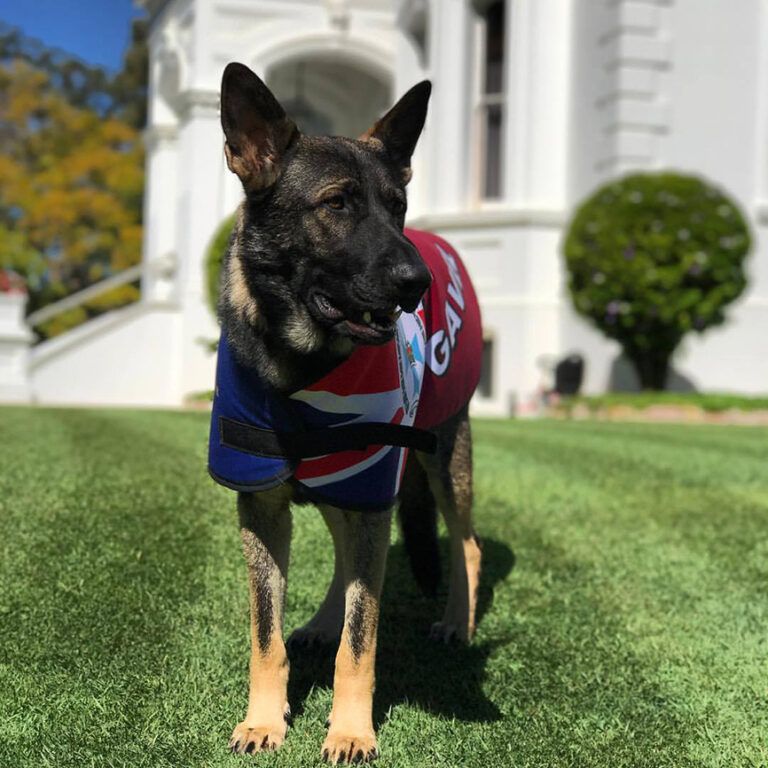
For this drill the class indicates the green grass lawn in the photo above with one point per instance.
(624, 603)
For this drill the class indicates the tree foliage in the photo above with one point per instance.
(128, 88)
(71, 172)
(652, 257)
(123, 95)
(214, 256)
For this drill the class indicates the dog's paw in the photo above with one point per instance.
(339, 749)
(447, 632)
(311, 637)
(262, 738)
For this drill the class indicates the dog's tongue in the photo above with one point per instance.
(366, 324)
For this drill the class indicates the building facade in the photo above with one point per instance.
(535, 102)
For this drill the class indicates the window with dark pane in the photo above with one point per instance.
(494, 48)
(492, 180)
(485, 387)
(492, 102)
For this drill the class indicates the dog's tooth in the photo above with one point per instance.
(367, 317)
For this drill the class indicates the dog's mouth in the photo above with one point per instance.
(374, 326)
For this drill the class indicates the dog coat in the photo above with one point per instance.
(344, 439)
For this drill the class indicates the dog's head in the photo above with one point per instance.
(319, 252)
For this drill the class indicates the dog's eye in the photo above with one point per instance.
(398, 207)
(336, 203)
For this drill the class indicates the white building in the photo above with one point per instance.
(535, 102)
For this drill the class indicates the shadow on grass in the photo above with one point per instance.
(439, 678)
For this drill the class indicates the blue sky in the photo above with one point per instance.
(97, 31)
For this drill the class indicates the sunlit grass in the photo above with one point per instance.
(624, 603)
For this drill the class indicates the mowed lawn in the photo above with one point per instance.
(624, 603)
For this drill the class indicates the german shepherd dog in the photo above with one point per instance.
(327, 213)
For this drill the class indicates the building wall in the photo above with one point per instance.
(510, 244)
(619, 120)
(126, 357)
(593, 88)
(190, 191)
(718, 103)
(677, 84)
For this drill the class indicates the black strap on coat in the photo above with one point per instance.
(276, 444)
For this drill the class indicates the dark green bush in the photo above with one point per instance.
(651, 257)
(213, 258)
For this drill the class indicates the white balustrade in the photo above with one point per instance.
(15, 341)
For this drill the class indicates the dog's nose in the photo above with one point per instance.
(410, 279)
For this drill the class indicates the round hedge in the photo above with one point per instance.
(214, 256)
(653, 256)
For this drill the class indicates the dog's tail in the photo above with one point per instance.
(417, 514)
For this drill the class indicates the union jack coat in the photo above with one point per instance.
(325, 436)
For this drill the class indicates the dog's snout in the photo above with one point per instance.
(410, 279)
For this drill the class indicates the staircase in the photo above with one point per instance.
(127, 356)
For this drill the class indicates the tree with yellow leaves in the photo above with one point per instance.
(71, 183)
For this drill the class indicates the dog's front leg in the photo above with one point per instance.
(365, 540)
(265, 527)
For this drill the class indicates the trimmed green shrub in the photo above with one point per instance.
(651, 257)
(214, 257)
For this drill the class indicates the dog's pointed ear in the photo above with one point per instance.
(256, 128)
(400, 128)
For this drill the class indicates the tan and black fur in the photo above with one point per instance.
(318, 264)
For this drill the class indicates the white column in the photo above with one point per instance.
(410, 68)
(199, 203)
(159, 257)
(538, 81)
(15, 340)
(538, 78)
(206, 70)
(450, 49)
